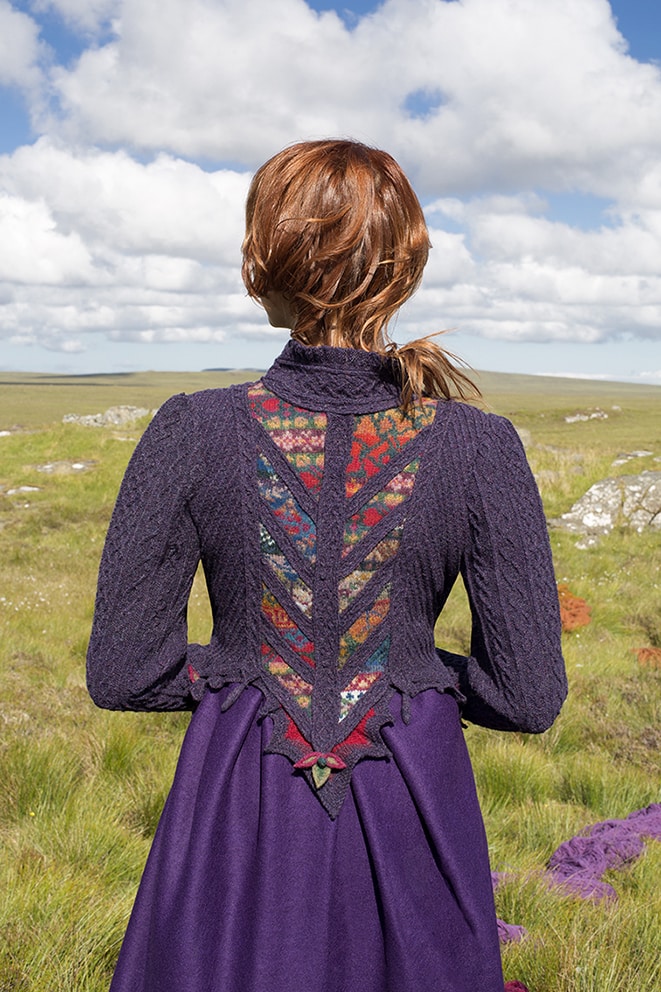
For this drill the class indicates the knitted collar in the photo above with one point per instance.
(338, 380)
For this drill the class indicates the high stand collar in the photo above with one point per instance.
(338, 380)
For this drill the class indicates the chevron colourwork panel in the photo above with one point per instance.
(325, 547)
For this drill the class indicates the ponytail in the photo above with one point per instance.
(426, 369)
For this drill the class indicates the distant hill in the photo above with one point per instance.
(34, 399)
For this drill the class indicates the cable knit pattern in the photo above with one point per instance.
(331, 529)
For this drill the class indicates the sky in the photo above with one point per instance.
(129, 130)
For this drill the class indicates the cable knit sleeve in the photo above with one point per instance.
(515, 677)
(138, 654)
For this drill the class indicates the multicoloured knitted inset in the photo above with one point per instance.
(290, 680)
(299, 591)
(328, 547)
(354, 583)
(294, 637)
(296, 523)
(364, 626)
(299, 434)
(372, 670)
(393, 494)
(377, 438)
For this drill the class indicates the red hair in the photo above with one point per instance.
(335, 227)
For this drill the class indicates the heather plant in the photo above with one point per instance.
(81, 789)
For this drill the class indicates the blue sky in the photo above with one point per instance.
(129, 130)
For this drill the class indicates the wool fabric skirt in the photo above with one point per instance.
(251, 887)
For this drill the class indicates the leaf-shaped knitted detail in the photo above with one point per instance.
(354, 583)
(298, 526)
(299, 434)
(371, 672)
(278, 617)
(297, 687)
(377, 437)
(299, 590)
(366, 623)
(393, 494)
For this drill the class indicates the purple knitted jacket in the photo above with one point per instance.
(331, 528)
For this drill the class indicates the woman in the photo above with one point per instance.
(323, 832)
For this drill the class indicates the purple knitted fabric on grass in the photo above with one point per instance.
(579, 863)
(508, 933)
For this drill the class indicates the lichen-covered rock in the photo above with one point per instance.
(627, 456)
(65, 467)
(574, 418)
(630, 500)
(115, 416)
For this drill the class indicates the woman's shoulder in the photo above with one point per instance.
(185, 419)
(477, 424)
(219, 396)
(204, 403)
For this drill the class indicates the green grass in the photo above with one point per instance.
(81, 789)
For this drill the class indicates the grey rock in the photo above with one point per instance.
(22, 489)
(627, 456)
(575, 418)
(64, 467)
(115, 416)
(629, 500)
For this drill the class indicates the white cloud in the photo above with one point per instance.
(105, 227)
(517, 275)
(33, 251)
(20, 49)
(96, 241)
(531, 92)
(227, 79)
(165, 207)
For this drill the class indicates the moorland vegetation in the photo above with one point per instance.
(81, 790)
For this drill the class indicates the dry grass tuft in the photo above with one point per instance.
(574, 611)
(649, 658)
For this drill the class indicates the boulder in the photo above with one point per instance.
(115, 416)
(574, 418)
(629, 500)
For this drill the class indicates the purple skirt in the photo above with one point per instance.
(251, 887)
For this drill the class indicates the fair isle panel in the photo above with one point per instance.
(366, 623)
(372, 671)
(296, 523)
(297, 687)
(378, 437)
(288, 545)
(299, 434)
(354, 583)
(299, 590)
(278, 617)
(389, 498)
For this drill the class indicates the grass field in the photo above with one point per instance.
(81, 789)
